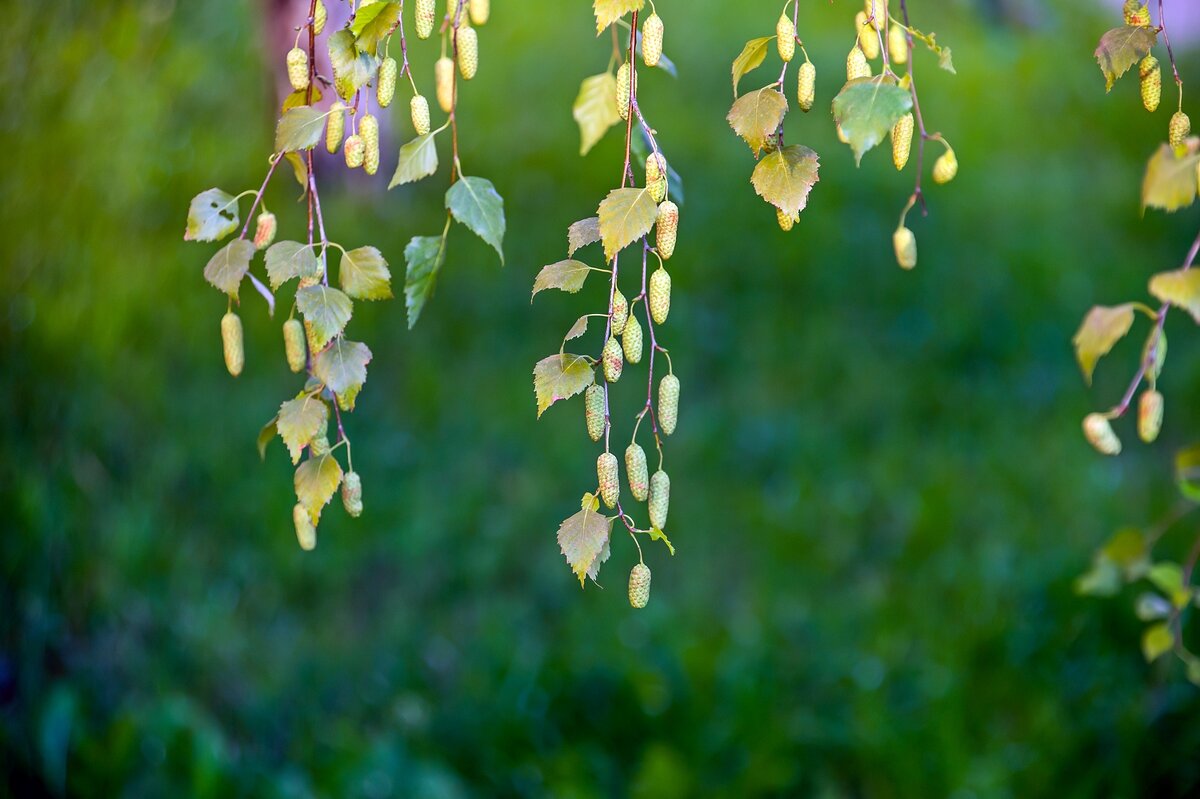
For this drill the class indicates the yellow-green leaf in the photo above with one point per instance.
(582, 233)
(625, 216)
(583, 538)
(1181, 288)
(659, 535)
(566, 275)
(1121, 48)
(1187, 472)
(1102, 328)
(326, 309)
(290, 259)
(364, 274)
(560, 376)
(867, 109)
(755, 116)
(316, 481)
(299, 129)
(1170, 180)
(226, 269)
(266, 435)
(418, 159)
(785, 177)
(609, 11)
(343, 366)
(595, 109)
(1157, 640)
(212, 216)
(750, 58)
(298, 421)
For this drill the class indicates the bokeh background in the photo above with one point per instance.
(881, 495)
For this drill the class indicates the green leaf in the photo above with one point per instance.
(867, 109)
(566, 276)
(582, 233)
(609, 11)
(595, 109)
(785, 177)
(578, 329)
(226, 269)
(372, 23)
(1157, 640)
(352, 69)
(1168, 578)
(755, 116)
(299, 129)
(212, 216)
(1128, 550)
(1187, 472)
(946, 60)
(424, 257)
(1104, 579)
(583, 538)
(343, 367)
(266, 435)
(290, 259)
(364, 274)
(1181, 288)
(559, 377)
(1103, 327)
(659, 535)
(1170, 180)
(625, 216)
(1121, 48)
(418, 159)
(750, 58)
(475, 203)
(326, 309)
(316, 481)
(298, 421)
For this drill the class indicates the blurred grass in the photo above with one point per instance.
(881, 491)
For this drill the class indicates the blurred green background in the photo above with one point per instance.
(881, 494)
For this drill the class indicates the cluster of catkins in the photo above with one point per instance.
(1137, 14)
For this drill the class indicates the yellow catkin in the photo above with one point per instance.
(785, 37)
(264, 230)
(856, 64)
(639, 586)
(352, 494)
(1178, 129)
(1150, 415)
(806, 88)
(297, 68)
(443, 72)
(306, 533)
(1136, 14)
(369, 130)
(652, 40)
(786, 220)
(613, 360)
(233, 343)
(668, 403)
(419, 107)
(897, 45)
(636, 472)
(945, 168)
(293, 345)
(631, 340)
(468, 53)
(660, 296)
(624, 74)
(1151, 78)
(902, 135)
(876, 11)
(426, 16)
(656, 176)
(593, 411)
(480, 10)
(607, 474)
(335, 126)
(1099, 433)
(659, 499)
(905, 244)
(385, 87)
(620, 312)
(868, 37)
(320, 17)
(667, 229)
(354, 151)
